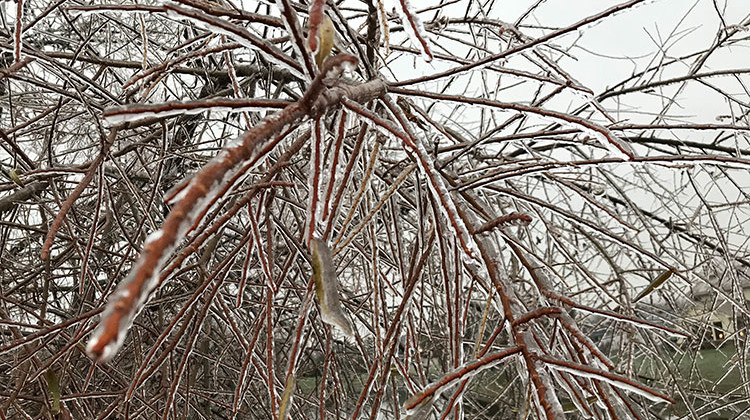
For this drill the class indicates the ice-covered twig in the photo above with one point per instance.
(356, 150)
(463, 372)
(362, 189)
(524, 46)
(136, 112)
(437, 186)
(202, 5)
(134, 290)
(18, 32)
(340, 133)
(608, 377)
(316, 18)
(512, 219)
(289, 17)
(68, 204)
(314, 178)
(414, 28)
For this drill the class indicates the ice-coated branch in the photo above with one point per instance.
(512, 219)
(133, 292)
(463, 372)
(289, 17)
(414, 28)
(68, 204)
(136, 112)
(608, 377)
(340, 132)
(18, 33)
(314, 178)
(437, 186)
(603, 135)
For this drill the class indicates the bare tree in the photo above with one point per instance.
(352, 209)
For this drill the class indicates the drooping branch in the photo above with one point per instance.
(68, 204)
(436, 183)
(462, 373)
(131, 295)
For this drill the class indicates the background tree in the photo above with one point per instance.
(492, 232)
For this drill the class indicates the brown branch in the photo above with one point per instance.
(316, 18)
(10, 201)
(68, 204)
(289, 17)
(133, 292)
(512, 219)
(611, 378)
(458, 374)
(495, 57)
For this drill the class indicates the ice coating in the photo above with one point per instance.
(289, 17)
(550, 395)
(131, 114)
(414, 28)
(553, 405)
(461, 373)
(239, 34)
(637, 323)
(614, 146)
(100, 345)
(613, 380)
(180, 190)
